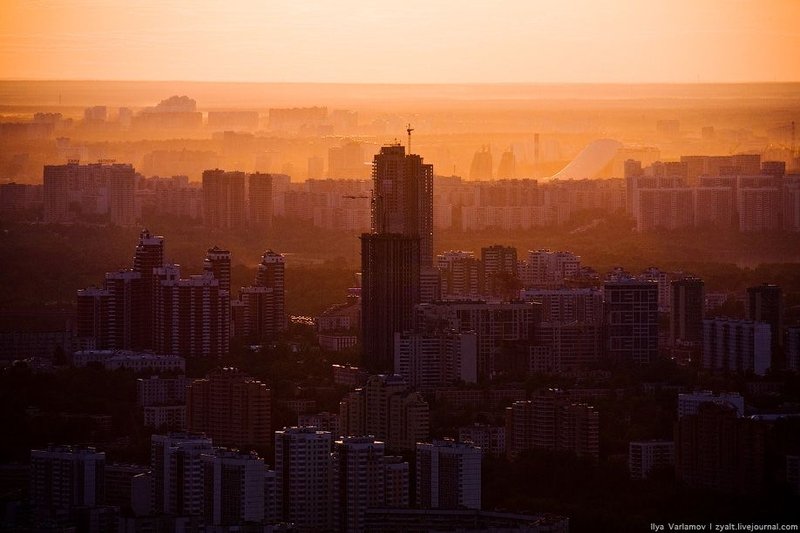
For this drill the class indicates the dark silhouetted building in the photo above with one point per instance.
(223, 199)
(765, 304)
(218, 263)
(500, 276)
(259, 196)
(631, 321)
(716, 450)
(230, 407)
(390, 268)
(686, 311)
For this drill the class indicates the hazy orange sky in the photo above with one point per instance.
(414, 41)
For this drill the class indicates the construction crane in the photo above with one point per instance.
(353, 197)
(409, 129)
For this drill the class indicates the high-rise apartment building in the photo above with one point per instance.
(552, 421)
(493, 324)
(120, 315)
(571, 326)
(436, 359)
(737, 346)
(392, 412)
(260, 312)
(95, 189)
(192, 316)
(305, 477)
(223, 199)
(128, 312)
(448, 475)
(716, 450)
(271, 274)
(689, 403)
(218, 263)
(121, 183)
(360, 472)
(460, 274)
(631, 320)
(178, 476)
(65, 477)
(499, 272)
(233, 488)
(648, 456)
(259, 200)
(546, 268)
(686, 311)
(230, 407)
(765, 304)
(149, 255)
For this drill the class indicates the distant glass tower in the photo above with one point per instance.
(397, 253)
(403, 202)
(390, 284)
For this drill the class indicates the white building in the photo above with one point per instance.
(304, 476)
(490, 439)
(169, 416)
(178, 473)
(448, 475)
(646, 456)
(688, 404)
(359, 463)
(65, 477)
(546, 267)
(234, 487)
(737, 346)
(431, 360)
(157, 390)
(136, 361)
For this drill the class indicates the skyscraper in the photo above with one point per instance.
(390, 269)
(395, 254)
(149, 256)
(403, 189)
(686, 310)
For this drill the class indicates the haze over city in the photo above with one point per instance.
(423, 266)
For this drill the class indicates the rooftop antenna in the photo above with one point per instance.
(409, 129)
(793, 145)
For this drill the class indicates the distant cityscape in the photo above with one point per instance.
(431, 395)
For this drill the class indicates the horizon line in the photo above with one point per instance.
(375, 83)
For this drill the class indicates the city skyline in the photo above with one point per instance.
(375, 300)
